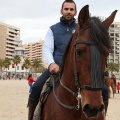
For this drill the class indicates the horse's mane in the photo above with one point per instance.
(64, 56)
(99, 36)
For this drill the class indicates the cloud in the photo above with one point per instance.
(34, 17)
(32, 30)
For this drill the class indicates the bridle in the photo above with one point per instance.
(94, 87)
(88, 87)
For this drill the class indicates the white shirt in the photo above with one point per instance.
(48, 47)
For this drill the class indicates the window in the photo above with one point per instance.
(17, 67)
(22, 67)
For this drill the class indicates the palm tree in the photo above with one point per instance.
(36, 64)
(113, 67)
(6, 64)
(27, 64)
(1, 65)
(16, 61)
(42, 69)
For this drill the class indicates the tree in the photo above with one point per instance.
(36, 64)
(16, 61)
(27, 64)
(1, 65)
(113, 67)
(42, 69)
(6, 64)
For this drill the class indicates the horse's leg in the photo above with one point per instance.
(113, 89)
(109, 92)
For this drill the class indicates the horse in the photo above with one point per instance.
(77, 96)
(111, 84)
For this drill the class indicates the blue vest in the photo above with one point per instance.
(62, 33)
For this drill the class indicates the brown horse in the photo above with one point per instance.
(78, 96)
(111, 84)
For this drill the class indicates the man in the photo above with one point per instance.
(55, 43)
(105, 90)
(56, 40)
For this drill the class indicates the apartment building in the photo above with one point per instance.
(114, 32)
(9, 40)
(11, 45)
(34, 50)
(28, 48)
(19, 68)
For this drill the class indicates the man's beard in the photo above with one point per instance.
(69, 19)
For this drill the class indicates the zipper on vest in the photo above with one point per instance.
(68, 29)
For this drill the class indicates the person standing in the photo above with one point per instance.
(56, 40)
(118, 86)
(30, 82)
(9, 77)
(105, 90)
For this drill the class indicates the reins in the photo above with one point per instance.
(58, 100)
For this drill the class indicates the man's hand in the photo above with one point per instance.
(53, 68)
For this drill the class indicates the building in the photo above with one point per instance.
(11, 45)
(114, 32)
(34, 50)
(9, 40)
(20, 69)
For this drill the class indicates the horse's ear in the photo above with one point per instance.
(83, 16)
(107, 22)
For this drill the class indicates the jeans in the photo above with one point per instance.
(30, 90)
(105, 93)
(38, 85)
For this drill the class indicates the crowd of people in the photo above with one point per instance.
(12, 76)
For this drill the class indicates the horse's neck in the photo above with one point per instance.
(114, 80)
(68, 79)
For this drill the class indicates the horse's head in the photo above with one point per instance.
(87, 54)
(113, 76)
(91, 48)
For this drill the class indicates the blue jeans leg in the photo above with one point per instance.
(30, 90)
(105, 93)
(38, 85)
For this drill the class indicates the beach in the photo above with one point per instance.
(14, 97)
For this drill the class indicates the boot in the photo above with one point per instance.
(106, 106)
(32, 103)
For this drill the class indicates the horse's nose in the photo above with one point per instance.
(92, 111)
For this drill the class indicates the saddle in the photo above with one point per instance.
(44, 95)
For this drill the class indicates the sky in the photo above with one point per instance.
(34, 17)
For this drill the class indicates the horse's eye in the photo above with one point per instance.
(79, 52)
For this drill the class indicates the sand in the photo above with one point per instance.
(14, 96)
